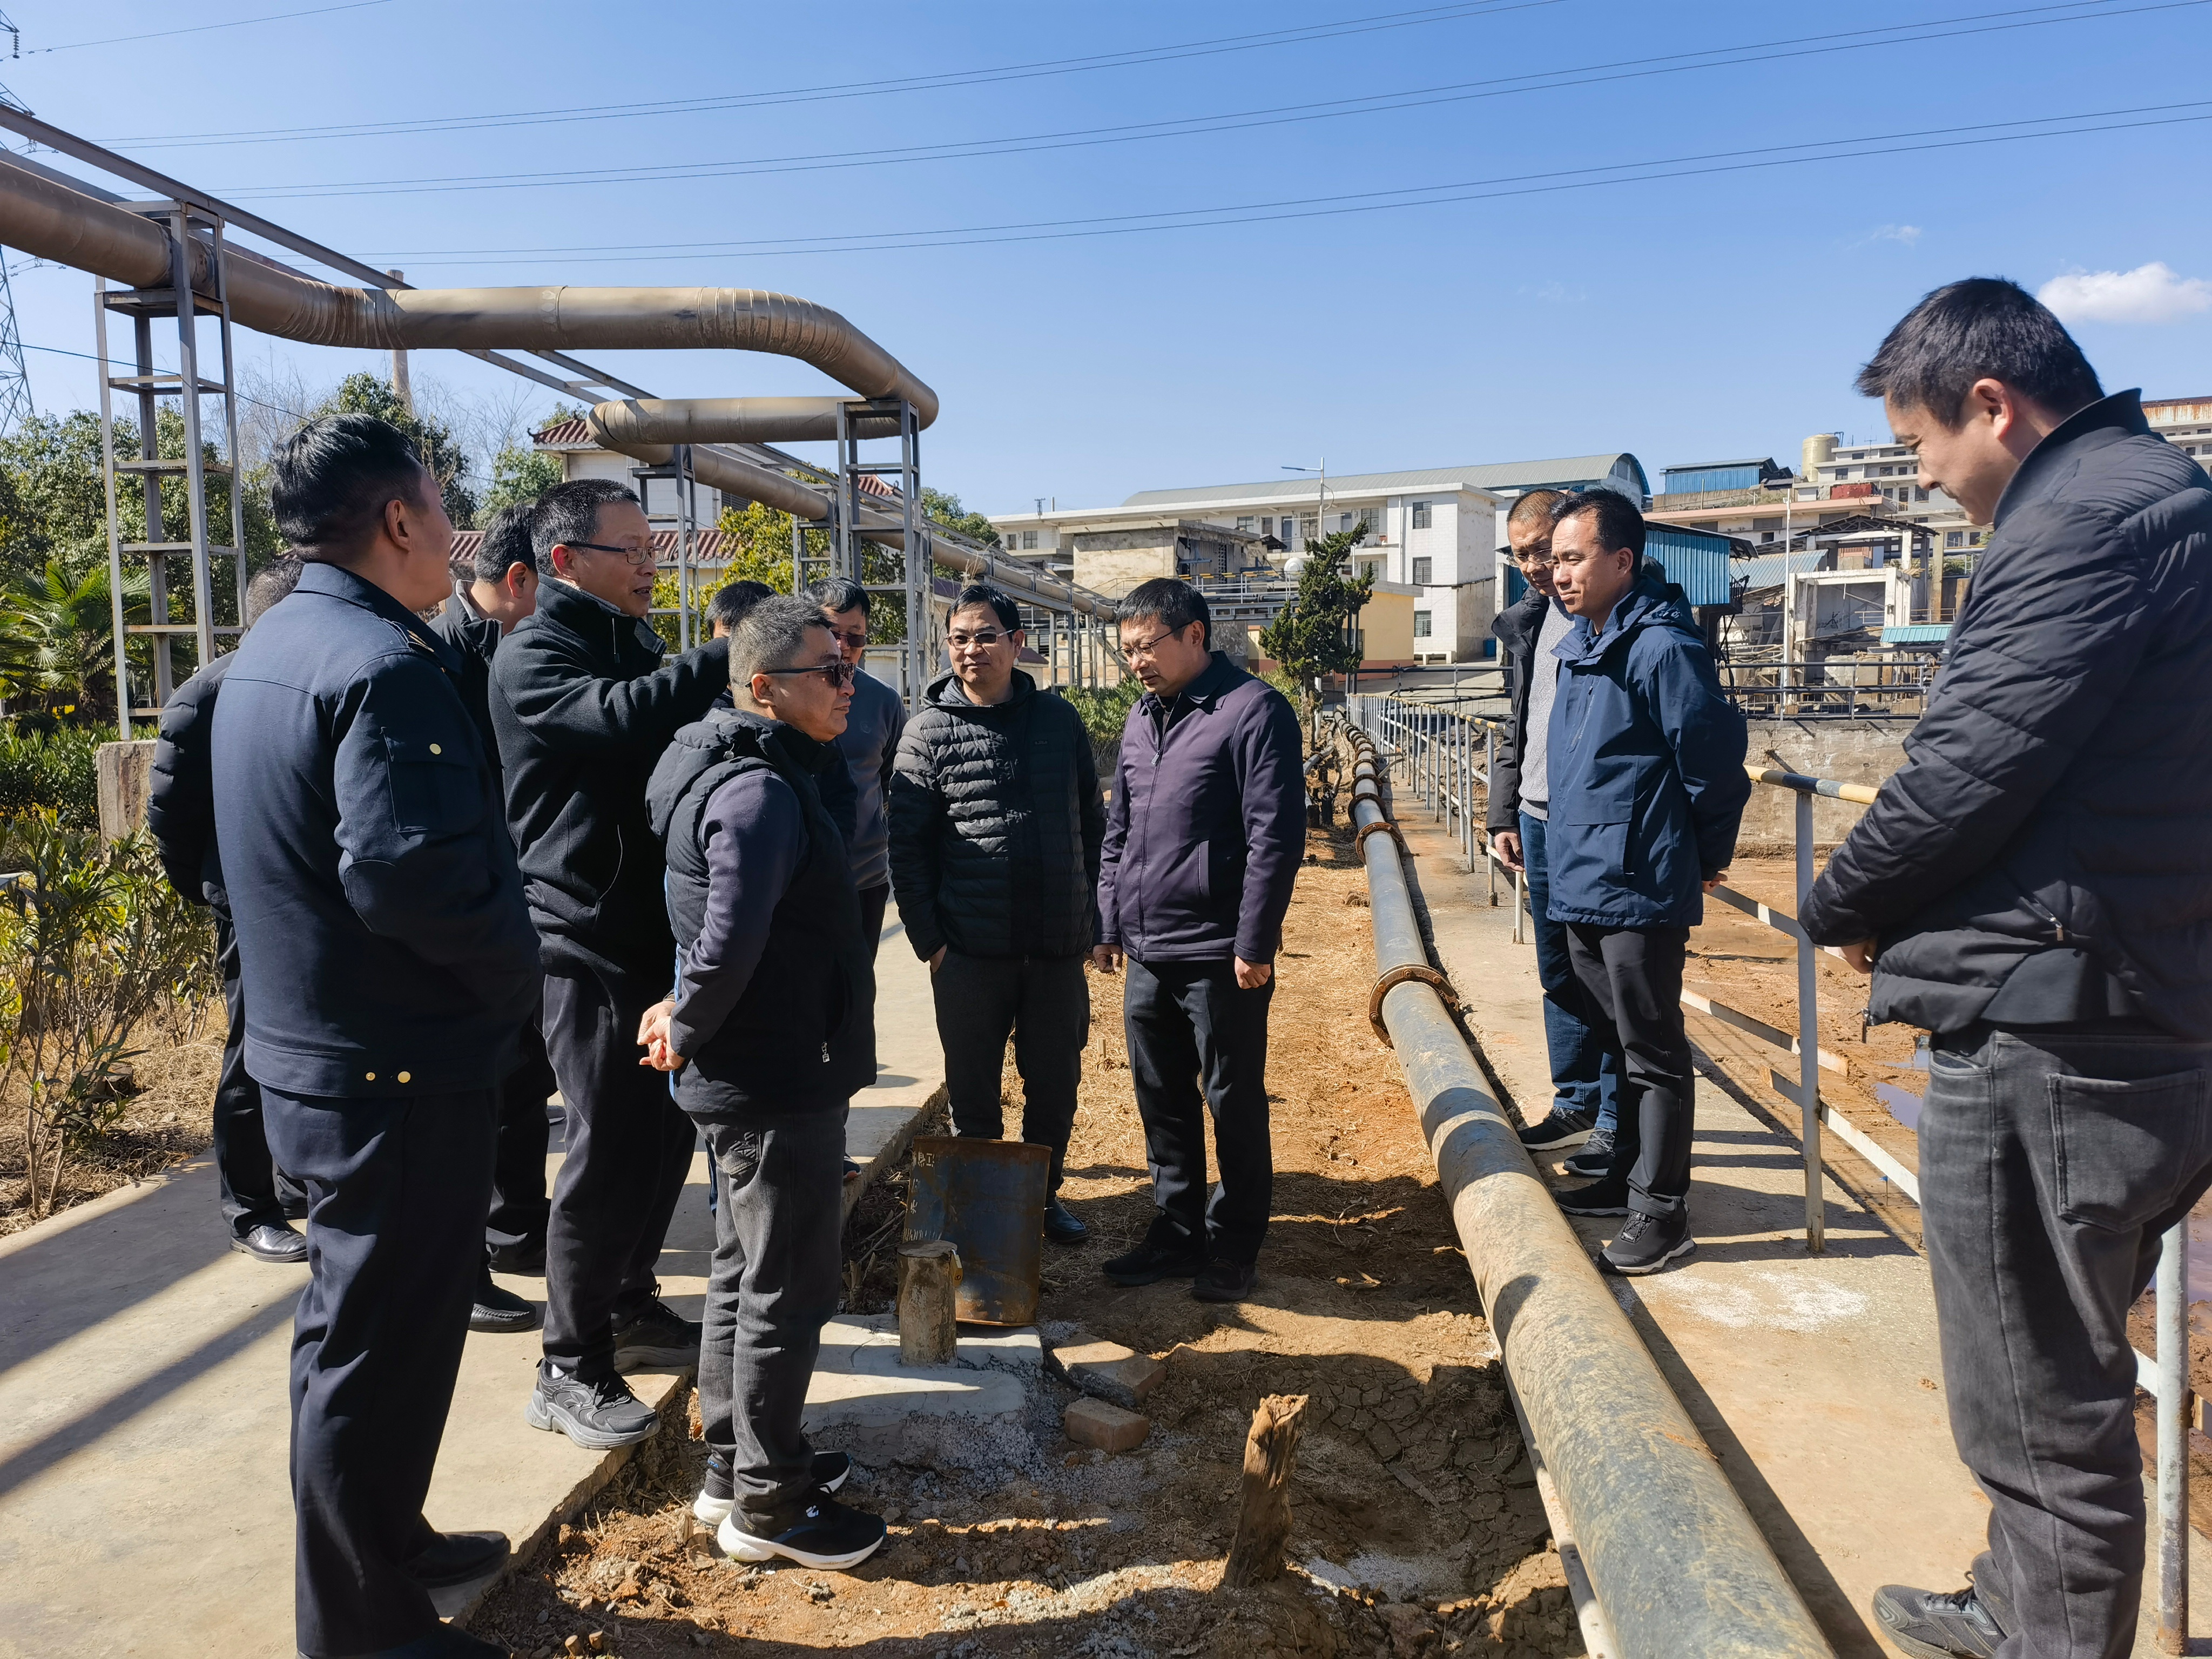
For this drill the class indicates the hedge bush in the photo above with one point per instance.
(55, 771)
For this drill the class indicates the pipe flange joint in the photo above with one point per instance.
(1359, 841)
(1419, 971)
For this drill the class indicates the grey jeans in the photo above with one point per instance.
(2050, 1164)
(775, 1283)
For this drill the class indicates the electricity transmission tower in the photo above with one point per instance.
(14, 378)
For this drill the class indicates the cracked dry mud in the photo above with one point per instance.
(1417, 1529)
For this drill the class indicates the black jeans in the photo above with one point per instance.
(1190, 1026)
(519, 1208)
(1044, 1002)
(2050, 1164)
(776, 1276)
(872, 902)
(1632, 978)
(254, 1191)
(628, 1150)
(396, 1191)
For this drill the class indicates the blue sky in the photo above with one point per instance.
(1717, 315)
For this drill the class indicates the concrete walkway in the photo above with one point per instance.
(144, 1507)
(1814, 1379)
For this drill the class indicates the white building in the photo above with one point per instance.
(1435, 531)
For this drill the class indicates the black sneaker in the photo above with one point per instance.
(1563, 1128)
(1224, 1281)
(500, 1312)
(598, 1413)
(1646, 1243)
(1607, 1197)
(655, 1339)
(714, 1502)
(1928, 1625)
(1595, 1159)
(817, 1531)
(458, 1558)
(272, 1241)
(1149, 1263)
(1060, 1225)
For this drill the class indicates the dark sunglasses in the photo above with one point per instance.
(839, 674)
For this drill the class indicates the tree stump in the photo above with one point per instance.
(1263, 1515)
(929, 1273)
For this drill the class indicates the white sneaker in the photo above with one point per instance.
(831, 1470)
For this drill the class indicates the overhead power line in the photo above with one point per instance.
(1135, 57)
(202, 28)
(1643, 67)
(1979, 134)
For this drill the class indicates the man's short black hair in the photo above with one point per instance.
(505, 543)
(569, 513)
(1535, 504)
(1174, 605)
(329, 480)
(1984, 328)
(1001, 603)
(1620, 523)
(272, 582)
(733, 599)
(771, 635)
(840, 594)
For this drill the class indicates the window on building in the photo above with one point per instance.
(1767, 535)
(1421, 630)
(1029, 540)
(1245, 523)
(1422, 511)
(1309, 526)
(1422, 568)
(1842, 473)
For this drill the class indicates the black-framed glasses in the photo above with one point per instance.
(638, 557)
(852, 642)
(1147, 648)
(839, 674)
(986, 639)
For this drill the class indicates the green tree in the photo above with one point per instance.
(57, 639)
(519, 476)
(1314, 635)
(434, 440)
(943, 508)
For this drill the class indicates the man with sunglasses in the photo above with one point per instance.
(869, 744)
(1585, 1084)
(995, 831)
(583, 707)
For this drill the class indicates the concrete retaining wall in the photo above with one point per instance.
(1850, 751)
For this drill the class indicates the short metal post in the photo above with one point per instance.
(2174, 1414)
(1489, 783)
(1808, 1038)
(1520, 902)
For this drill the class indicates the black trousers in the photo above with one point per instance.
(628, 1149)
(777, 1272)
(2050, 1161)
(1191, 1028)
(254, 1191)
(1632, 977)
(1044, 1003)
(873, 902)
(396, 1191)
(520, 1208)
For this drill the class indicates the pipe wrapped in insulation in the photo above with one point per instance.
(727, 421)
(1678, 1564)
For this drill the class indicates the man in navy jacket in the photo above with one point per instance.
(1647, 789)
(1203, 843)
(388, 964)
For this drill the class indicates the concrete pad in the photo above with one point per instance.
(144, 1425)
(862, 1400)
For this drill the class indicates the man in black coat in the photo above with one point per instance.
(180, 817)
(995, 830)
(2034, 887)
(490, 597)
(388, 963)
(583, 708)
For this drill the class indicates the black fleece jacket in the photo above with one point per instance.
(583, 708)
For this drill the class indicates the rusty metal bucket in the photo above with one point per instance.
(987, 1198)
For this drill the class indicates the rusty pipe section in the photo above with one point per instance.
(1678, 1564)
(727, 421)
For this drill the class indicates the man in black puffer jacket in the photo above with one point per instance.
(2034, 886)
(996, 822)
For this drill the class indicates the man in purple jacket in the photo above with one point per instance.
(1203, 841)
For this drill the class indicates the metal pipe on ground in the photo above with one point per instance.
(1678, 1564)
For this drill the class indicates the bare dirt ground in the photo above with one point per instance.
(165, 1121)
(1417, 1529)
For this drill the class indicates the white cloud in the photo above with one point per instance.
(1907, 235)
(2155, 293)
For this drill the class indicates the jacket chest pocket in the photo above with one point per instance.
(437, 787)
(1596, 820)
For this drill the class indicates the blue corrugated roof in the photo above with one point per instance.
(1916, 633)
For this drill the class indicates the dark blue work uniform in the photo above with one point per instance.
(389, 963)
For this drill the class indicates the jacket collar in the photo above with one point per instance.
(337, 582)
(1214, 679)
(945, 692)
(593, 620)
(1644, 603)
(752, 733)
(1520, 624)
(2105, 421)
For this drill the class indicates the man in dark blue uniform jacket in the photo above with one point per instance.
(389, 963)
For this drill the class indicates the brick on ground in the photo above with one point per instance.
(1094, 1422)
(1108, 1371)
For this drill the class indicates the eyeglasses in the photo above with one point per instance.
(855, 642)
(1535, 559)
(638, 557)
(985, 639)
(1147, 648)
(839, 674)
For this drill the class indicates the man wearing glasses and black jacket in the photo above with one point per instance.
(583, 708)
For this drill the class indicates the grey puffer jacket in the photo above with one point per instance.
(996, 824)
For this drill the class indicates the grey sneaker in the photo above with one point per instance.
(1645, 1244)
(1562, 1127)
(1933, 1624)
(1596, 1158)
(598, 1413)
(656, 1338)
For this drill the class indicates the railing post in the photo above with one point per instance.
(2174, 1414)
(1809, 1037)
(1489, 783)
